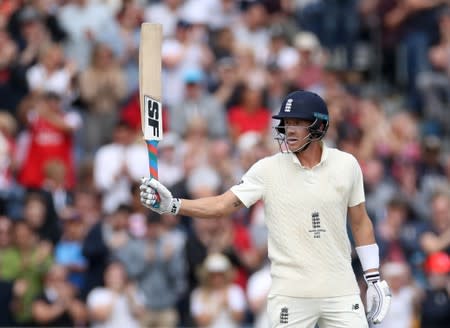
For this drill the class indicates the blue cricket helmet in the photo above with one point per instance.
(307, 106)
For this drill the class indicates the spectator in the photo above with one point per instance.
(159, 269)
(222, 13)
(198, 103)
(8, 126)
(5, 233)
(137, 222)
(434, 84)
(309, 70)
(277, 86)
(167, 13)
(379, 189)
(32, 35)
(41, 10)
(117, 165)
(27, 259)
(250, 114)
(234, 241)
(13, 86)
(10, 292)
(87, 204)
(217, 302)
(54, 186)
(58, 305)
(102, 89)
(414, 24)
(436, 237)
(68, 252)
(225, 80)
(281, 53)
(391, 244)
(404, 296)
(252, 30)
(249, 70)
(435, 303)
(85, 23)
(52, 73)
(257, 292)
(169, 159)
(51, 138)
(41, 217)
(127, 45)
(179, 54)
(104, 238)
(405, 172)
(221, 159)
(112, 305)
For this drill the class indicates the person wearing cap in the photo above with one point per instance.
(308, 190)
(217, 302)
(309, 71)
(435, 303)
(405, 295)
(197, 104)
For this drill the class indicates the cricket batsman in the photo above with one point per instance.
(309, 190)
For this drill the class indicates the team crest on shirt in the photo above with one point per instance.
(284, 315)
(316, 227)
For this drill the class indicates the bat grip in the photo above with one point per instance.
(152, 148)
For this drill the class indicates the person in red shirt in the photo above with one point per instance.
(250, 114)
(50, 138)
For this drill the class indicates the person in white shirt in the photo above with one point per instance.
(114, 305)
(308, 189)
(258, 288)
(217, 302)
(117, 165)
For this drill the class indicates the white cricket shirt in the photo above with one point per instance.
(306, 216)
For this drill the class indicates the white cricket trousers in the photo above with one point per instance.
(330, 312)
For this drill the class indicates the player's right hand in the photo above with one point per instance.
(378, 297)
(157, 197)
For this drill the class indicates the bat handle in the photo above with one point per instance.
(152, 148)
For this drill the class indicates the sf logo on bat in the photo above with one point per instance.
(153, 119)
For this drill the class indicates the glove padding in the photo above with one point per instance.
(378, 297)
(157, 197)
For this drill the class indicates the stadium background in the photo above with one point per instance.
(71, 151)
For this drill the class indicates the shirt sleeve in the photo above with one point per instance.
(357, 190)
(251, 188)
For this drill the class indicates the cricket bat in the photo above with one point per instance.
(150, 90)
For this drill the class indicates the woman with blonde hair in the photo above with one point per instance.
(217, 302)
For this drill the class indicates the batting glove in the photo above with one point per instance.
(157, 197)
(378, 297)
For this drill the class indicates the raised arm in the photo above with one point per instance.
(211, 207)
(158, 198)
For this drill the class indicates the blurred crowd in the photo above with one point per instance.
(76, 246)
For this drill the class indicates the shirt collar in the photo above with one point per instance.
(323, 157)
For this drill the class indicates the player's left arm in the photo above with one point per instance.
(378, 293)
(361, 225)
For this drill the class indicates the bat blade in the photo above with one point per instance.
(150, 90)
